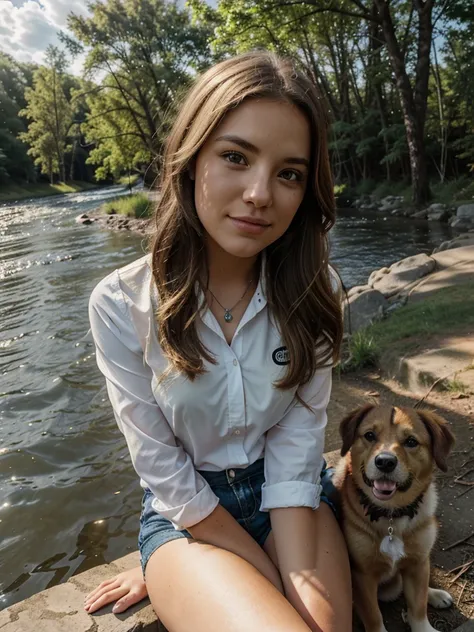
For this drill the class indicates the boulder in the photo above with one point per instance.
(436, 208)
(398, 212)
(460, 223)
(84, 219)
(421, 214)
(391, 202)
(390, 281)
(439, 216)
(362, 309)
(458, 242)
(357, 289)
(466, 211)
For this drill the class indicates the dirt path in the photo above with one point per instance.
(456, 500)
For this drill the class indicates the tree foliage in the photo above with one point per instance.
(146, 51)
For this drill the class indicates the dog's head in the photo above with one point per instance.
(393, 451)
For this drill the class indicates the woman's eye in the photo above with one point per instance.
(370, 436)
(292, 176)
(411, 442)
(234, 157)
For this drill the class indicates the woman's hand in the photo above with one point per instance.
(127, 589)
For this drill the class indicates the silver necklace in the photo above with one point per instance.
(228, 310)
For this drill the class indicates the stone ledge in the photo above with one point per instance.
(61, 607)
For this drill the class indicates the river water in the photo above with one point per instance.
(69, 498)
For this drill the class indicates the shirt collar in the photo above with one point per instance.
(257, 303)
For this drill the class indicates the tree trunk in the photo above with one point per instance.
(414, 102)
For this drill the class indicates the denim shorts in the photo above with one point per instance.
(239, 491)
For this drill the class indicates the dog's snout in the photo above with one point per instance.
(386, 462)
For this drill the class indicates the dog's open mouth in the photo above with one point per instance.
(383, 489)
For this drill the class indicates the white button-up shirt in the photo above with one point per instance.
(227, 418)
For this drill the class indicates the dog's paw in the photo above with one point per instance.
(420, 625)
(439, 598)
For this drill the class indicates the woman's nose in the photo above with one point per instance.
(258, 191)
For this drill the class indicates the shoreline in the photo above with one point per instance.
(11, 194)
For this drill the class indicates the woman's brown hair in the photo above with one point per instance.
(300, 290)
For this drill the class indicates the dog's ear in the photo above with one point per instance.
(442, 439)
(350, 423)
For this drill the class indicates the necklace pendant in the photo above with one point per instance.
(228, 316)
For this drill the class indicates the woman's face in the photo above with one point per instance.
(251, 175)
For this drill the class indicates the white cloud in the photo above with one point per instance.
(28, 27)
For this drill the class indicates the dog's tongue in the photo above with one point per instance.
(383, 489)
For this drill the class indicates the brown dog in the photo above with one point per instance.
(388, 503)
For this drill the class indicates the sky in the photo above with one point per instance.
(27, 27)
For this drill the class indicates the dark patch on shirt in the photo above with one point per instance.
(281, 356)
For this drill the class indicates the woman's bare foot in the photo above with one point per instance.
(126, 589)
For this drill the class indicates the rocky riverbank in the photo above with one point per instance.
(460, 217)
(388, 288)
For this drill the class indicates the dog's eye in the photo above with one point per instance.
(370, 436)
(411, 442)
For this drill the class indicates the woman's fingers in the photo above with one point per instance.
(133, 597)
(105, 598)
(100, 588)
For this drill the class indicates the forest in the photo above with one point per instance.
(397, 76)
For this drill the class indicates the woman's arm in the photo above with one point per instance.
(181, 494)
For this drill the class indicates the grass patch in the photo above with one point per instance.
(136, 205)
(454, 386)
(447, 310)
(20, 191)
(363, 352)
(11, 192)
(385, 189)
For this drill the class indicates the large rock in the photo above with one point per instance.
(458, 242)
(357, 289)
(362, 309)
(460, 223)
(466, 211)
(439, 216)
(391, 202)
(60, 608)
(390, 281)
(421, 214)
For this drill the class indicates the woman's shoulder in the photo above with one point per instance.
(129, 284)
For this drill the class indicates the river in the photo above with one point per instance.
(69, 498)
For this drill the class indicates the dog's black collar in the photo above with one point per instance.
(375, 512)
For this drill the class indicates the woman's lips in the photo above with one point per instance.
(249, 227)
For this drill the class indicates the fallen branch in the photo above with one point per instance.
(461, 593)
(451, 546)
(464, 569)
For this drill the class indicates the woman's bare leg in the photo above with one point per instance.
(199, 587)
(314, 566)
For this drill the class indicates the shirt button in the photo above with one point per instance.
(235, 363)
(231, 473)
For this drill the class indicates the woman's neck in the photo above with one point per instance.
(226, 269)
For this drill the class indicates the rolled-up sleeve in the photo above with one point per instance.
(294, 449)
(181, 494)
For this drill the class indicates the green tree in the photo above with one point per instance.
(398, 31)
(51, 114)
(146, 51)
(14, 78)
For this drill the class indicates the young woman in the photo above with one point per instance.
(217, 351)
